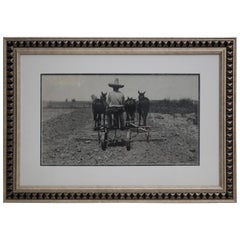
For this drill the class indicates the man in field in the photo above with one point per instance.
(115, 105)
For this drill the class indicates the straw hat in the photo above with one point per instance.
(115, 84)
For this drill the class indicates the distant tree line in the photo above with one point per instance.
(67, 104)
(181, 106)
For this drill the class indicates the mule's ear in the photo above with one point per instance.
(138, 92)
(144, 92)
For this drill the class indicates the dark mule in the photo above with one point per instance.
(130, 106)
(99, 109)
(143, 107)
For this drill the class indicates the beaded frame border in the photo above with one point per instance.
(10, 125)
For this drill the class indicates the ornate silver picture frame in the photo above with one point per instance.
(119, 120)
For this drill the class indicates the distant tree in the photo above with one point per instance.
(66, 100)
(73, 100)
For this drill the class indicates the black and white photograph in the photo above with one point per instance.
(120, 119)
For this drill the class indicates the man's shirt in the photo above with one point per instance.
(115, 99)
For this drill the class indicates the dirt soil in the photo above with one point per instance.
(68, 138)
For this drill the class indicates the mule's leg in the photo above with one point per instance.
(133, 117)
(139, 119)
(127, 119)
(145, 119)
(104, 119)
(100, 120)
(95, 120)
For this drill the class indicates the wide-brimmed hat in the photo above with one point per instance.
(115, 84)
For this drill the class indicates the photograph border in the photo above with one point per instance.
(226, 47)
(123, 74)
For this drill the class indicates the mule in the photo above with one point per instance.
(99, 110)
(130, 106)
(143, 107)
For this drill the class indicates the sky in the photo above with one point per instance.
(157, 87)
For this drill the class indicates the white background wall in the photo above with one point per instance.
(75, 18)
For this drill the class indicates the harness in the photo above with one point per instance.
(115, 109)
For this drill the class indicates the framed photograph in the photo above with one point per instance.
(136, 120)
